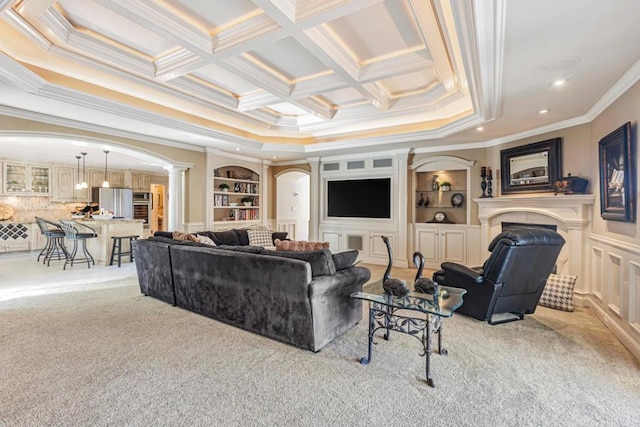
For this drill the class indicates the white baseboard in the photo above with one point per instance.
(610, 323)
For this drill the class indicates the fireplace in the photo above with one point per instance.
(569, 214)
(506, 226)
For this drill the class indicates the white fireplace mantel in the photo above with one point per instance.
(570, 213)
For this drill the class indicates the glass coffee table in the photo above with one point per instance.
(416, 314)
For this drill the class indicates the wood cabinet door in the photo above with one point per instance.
(453, 245)
(116, 179)
(64, 184)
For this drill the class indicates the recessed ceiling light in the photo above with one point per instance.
(558, 83)
(275, 157)
(480, 128)
(544, 111)
(237, 148)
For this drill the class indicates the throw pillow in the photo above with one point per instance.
(204, 239)
(345, 259)
(259, 237)
(299, 246)
(228, 237)
(282, 235)
(321, 261)
(558, 292)
(180, 236)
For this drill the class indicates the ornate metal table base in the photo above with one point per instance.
(382, 316)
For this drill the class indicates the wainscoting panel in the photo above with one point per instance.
(615, 288)
(634, 296)
(614, 281)
(596, 272)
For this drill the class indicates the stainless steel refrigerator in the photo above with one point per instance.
(117, 200)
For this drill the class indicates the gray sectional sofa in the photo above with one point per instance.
(300, 298)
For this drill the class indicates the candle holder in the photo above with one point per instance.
(489, 189)
(483, 185)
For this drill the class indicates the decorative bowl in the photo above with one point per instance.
(233, 204)
(104, 216)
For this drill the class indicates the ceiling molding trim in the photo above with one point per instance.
(161, 21)
(226, 154)
(391, 67)
(256, 75)
(74, 124)
(256, 101)
(25, 28)
(317, 86)
(315, 106)
(628, 79)
(228, 42)
(325, 41)
(266, 116)
(552, 127)
(176, 63)
(281, 148)
(15, 74)
(291, 163)
(200, 89)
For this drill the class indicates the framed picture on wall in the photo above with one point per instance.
(617, 176)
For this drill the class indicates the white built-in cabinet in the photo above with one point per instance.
(140, 181)
(368, 243)
(115, 178)
(453, 239)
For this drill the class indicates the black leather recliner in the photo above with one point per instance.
(510, 282)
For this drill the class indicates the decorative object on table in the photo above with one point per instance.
(224, 187)
(6, 212)
(435, 186)
(457, 200)
(570, 185)
(445, 186)
(531, 168)
(423, 284)
(421, 201)
(247, 201)
(483, 184)
(395, 287)
(558, 292)
(618, 175)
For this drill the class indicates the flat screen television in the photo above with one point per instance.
(359, 198)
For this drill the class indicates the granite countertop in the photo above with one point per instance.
(108, 221)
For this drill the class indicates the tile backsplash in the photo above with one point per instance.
(27, 208)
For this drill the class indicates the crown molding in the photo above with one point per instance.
(623, 84)
(291, 163)
(76, 125)
(228, 155)
(14, 74)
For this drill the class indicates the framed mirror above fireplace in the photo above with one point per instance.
(531, 168)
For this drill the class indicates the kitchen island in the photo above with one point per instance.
(100, 247)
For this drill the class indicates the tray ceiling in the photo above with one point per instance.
(267, 71)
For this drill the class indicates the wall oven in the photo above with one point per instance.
(142, 206)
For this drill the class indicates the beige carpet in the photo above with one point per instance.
(114, 357)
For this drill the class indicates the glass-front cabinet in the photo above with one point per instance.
(26, 179)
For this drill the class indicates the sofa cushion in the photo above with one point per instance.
(558, 292)
(321, 260)
(241, 248)
(201, 238)
(278, 235)
(167, 234)
(345, 259)
(299, 246)
(170, 241)
(229, 237)
(260, 237)
(180, 236)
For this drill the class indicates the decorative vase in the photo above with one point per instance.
(435, 186)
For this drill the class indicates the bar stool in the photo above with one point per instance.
(55, 241)
(117, 243)
(71, 232)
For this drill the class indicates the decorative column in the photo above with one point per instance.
(264, 200)
(175, 198)
(314, 208)
(400, 188)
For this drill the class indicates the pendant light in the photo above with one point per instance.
(84, 175)
(105, 184)
(78, 184)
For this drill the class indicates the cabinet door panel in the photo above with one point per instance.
(378, 248)
(454, 244)
(64, 184)
(333, 237)
(427, 244)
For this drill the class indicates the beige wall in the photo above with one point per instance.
(625, 109)
(195, 176)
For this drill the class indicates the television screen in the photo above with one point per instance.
(359, 198)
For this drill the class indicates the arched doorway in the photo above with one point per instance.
(293, 204)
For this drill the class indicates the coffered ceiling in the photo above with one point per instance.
(293, 77)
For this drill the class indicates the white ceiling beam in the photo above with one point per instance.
(252, 72)
(257, 100)
(316, 107)
(204, 90)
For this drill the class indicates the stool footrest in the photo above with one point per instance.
(117, 244)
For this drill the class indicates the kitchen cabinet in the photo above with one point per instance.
(115, 178)
(64, 183)
(140, 182)
(23, 179)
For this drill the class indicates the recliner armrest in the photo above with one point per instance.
(463, 272)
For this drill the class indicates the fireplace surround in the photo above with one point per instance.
(571, 214)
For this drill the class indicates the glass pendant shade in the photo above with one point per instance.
(83, 184)
(105, 184)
